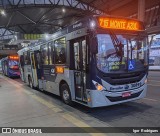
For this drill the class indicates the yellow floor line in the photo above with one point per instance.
(66, 116)
(49, 105)
(79, 123)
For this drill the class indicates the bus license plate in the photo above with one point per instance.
(126, 94)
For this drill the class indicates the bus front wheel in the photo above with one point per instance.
(65, 94)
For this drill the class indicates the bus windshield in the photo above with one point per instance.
(121, 52)
(13, 64)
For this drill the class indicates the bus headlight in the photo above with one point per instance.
(146, 81)
(98, 86)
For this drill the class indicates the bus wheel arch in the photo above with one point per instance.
(65, 92)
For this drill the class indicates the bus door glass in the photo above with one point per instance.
(34, 70)
(80, 51)
(21, 66)
(6, 67)
(48, 62)
(38, 66)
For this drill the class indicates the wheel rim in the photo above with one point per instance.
(65, 95)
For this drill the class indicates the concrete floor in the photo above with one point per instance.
(21, 106)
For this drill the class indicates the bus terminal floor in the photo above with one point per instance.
(21, 106)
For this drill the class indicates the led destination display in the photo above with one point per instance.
(116, 23)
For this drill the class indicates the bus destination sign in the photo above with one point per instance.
(116, 23)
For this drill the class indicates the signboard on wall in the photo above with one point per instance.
(33, 36)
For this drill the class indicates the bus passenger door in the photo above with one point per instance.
(34, 70)
(79, 53)
(36, 67)
(22, 67)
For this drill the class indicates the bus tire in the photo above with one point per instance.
(65, 94)
(30, 82)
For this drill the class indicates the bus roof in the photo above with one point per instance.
(102, 22)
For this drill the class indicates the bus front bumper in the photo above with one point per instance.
(106, 98)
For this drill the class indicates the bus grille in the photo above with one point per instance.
(120, 79)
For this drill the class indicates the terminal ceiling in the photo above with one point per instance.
(47, 16)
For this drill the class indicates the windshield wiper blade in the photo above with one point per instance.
(117, 44)
(115, 41)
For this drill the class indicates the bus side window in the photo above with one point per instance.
(38, 63)
(28, 57)
(84, 55)
(50, 53)
(53, 53)
(27, 60)
(22, 60)
(77, 55)
(45, 54)
(60, 51)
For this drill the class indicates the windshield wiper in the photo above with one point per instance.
(117, 44)
(115, 41)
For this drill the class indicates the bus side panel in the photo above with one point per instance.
(21, 73)
(53, 86)
(72, 84)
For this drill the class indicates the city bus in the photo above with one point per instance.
(97, 61)
(10, 66)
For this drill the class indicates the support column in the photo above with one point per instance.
(141, 9)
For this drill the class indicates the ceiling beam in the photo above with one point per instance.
(28, 18)
(118, 4)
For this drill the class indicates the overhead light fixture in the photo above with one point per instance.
(3, 13)
(15, 37)
(63, 10)
(92, 24)
(46, 36)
